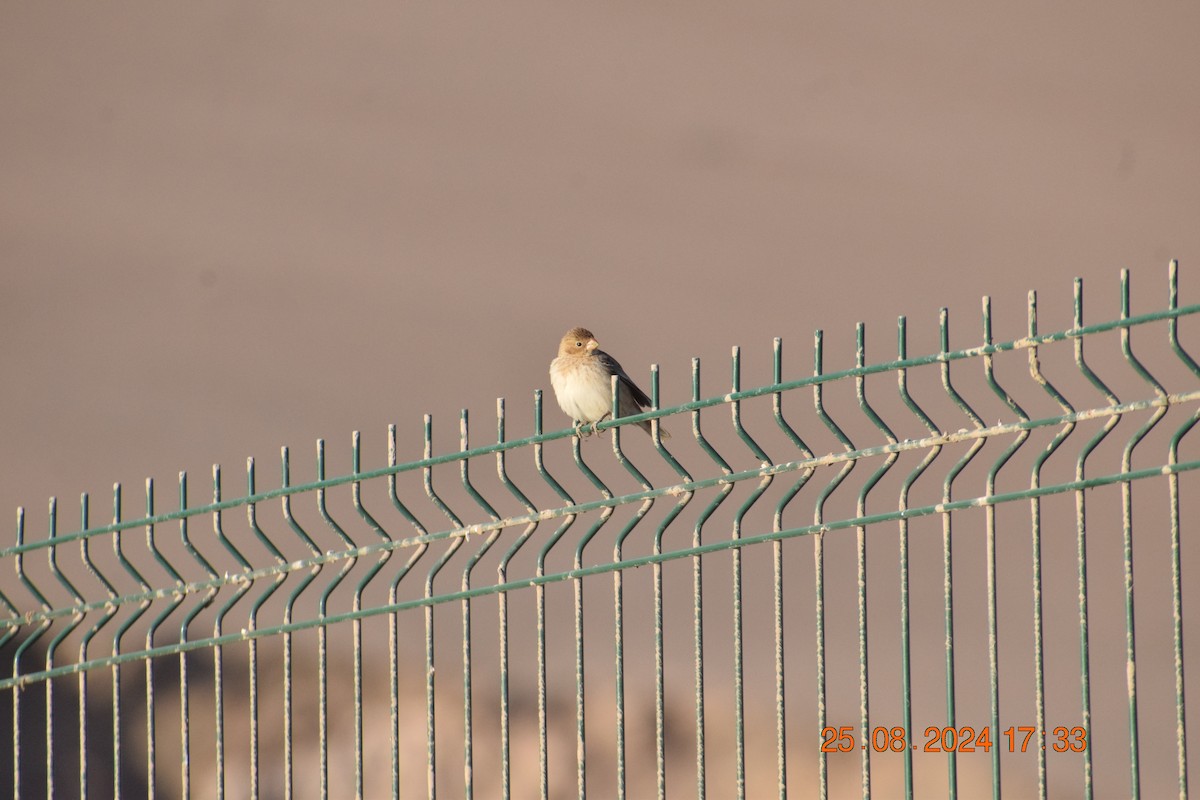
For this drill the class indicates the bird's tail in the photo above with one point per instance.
(663, 433)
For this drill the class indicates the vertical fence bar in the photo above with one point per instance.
(761, 456)
(1177, 610)
(151, 778)
(1176, 566)
(698, 604)
(289, 764)
(356, 625)
(502, 604)
(819, 609)
(252, 625)
(540, 596)
(739, 714)
(990, 514)
(618, 586)
(1127, 536)
(323, 652)
(869, 484)
(393, 618)
(660, 718)
(185, 738)
(116, 668)
(468, 721)
(16, 670)
(289, 759)
(619, 622)
(252, 642)
(185, 723)
(947, 542)
(1035, 482)
(948, 577)
(860, 558)
(122, 629)
(241, 587)
(819, 547)
(698, 584)
(44, 604)
(218, 653)
(349, 547)
(205, 601)
(19, 562)
(430, 678)
(580, 649)
(109, 612)
(1127, 547)
(660, 711)
(990, 557)
(1085, 673)
(660, 693)
(468, 733)
(1035, 529)
(394, 629)
(176, 601)
(502, 599)
(781, 778)
(905, 600)
(777, 571)
(76, 619)
(48, 687)
(356, 606)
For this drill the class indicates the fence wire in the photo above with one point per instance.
(300, 641)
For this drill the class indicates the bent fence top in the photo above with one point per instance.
(747, 689)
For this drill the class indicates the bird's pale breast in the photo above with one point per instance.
(582, 387)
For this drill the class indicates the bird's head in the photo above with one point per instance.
(577, 341)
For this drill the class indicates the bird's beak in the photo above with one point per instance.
(592, 345)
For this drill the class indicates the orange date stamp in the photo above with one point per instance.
(965, 739)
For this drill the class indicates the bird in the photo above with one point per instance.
(582, 374)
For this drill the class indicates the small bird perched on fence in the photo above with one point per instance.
(582, 379)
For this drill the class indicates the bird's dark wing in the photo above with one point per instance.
(614, 368)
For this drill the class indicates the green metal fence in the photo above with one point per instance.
(419, 627)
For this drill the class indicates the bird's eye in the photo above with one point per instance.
(579, 344)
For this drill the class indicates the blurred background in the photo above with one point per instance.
(226, 227)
